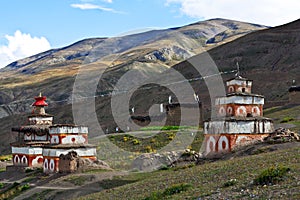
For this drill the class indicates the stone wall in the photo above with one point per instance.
(294, 97)
(68, 163)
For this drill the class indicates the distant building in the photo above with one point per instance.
(171, 113)
(42, 144)
(239, 119)
(294, 95)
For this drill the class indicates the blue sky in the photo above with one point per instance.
(31, 26)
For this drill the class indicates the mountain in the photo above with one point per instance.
(268, 57)
(53, 72)
(47, 72)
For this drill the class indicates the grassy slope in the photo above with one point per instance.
(119, 151)
(285, 116)
(208, 180)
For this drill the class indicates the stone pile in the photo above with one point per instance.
(155, 161)
(282, 135)
(189, 156)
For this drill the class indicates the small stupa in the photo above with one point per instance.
(27, 150)
(42, 144)
(239, 119)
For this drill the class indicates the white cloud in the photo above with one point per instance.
(266, 12)
(89, 6)
(21, 45)
(108, 1)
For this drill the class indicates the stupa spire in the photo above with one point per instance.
(39, 104)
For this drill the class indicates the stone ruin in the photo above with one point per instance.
(71, 162)
(68, 163)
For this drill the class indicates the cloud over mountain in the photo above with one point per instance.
(267, 12)
(21, 45)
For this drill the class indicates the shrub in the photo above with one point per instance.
(286, 119)
(230, 182)
(24, 187)
(271, 175)
(171, 135)
(174, 189)
(148, 149)
(155, 196)
(15, 184)
(135, 141)
(153, 140)
(27, 170)
(5, 158)
(164, 167)
(177, 188)
(125, 139)
(1, 185)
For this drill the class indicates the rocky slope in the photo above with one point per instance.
(53, 72)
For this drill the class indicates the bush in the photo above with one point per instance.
(148, 149)
(153, 140)
(171, 135)
(271, 175)
(164, 167)
(28, 170)
(125, 139)
(155, 196)
(287, 119)
(230, 182)
(174, 189)
(5, 158)
(135, 141)
(178, 188)
(24, 187)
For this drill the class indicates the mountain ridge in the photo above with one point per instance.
(156, 48)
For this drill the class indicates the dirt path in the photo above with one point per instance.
(68, 186)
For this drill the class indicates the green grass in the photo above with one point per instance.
(14, 190)
(120, 150)
(39, 195)
(154, 143)
(76, 180)
(287, 119)
(208, 180)
(285, 114)
(174, 189)
(5, 158)
(271, 175)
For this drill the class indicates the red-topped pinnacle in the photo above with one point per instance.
(40, 101)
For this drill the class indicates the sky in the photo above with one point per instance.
(28, 27)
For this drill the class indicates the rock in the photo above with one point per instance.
(282, 135)
(154, 161)
(149, 162)
(85, 164)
